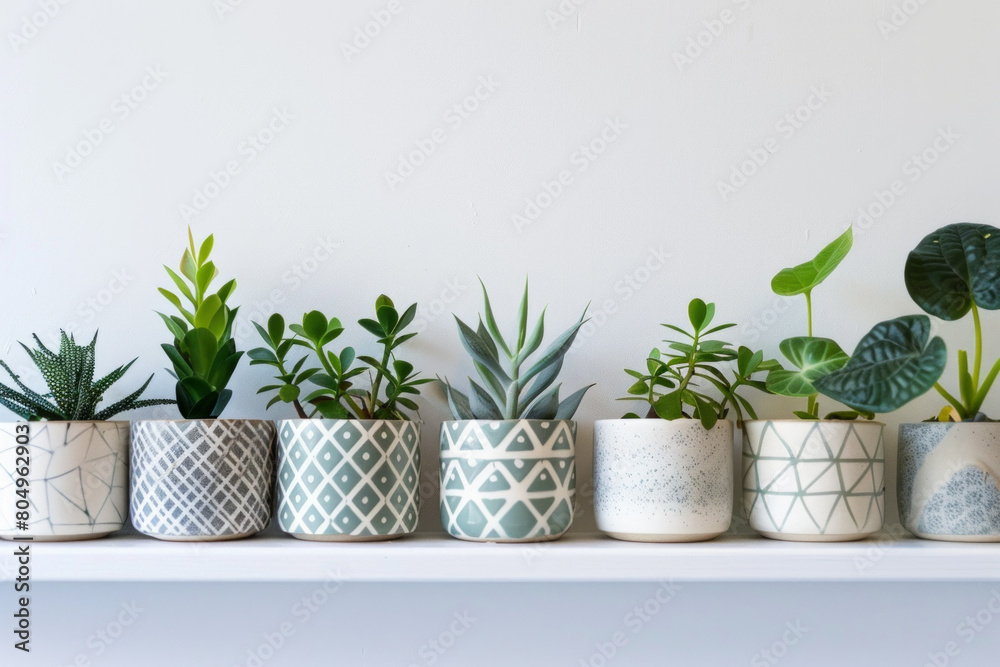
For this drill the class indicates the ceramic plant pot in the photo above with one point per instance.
(77, 479)
(344, 480)
(202, 480)
(663, 481)
(814, 481)
(508, 481)
(949, 480)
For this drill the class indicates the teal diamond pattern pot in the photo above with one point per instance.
(814, 481)
(346, 480)
(508, 481)
(949, 480)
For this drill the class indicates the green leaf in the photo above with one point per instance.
(332, 410)
(206, 249)
(458, 402)
(262, 354)
(697, 314)
(954, 267)
(276, 328)
(206, 274)
(480, 351)
(669, 406)
(406, 317)
(483, 405)
(491, 323)
(346, 358)
(546, 406)
(372, 326)
(814, 357)
(803, 278)
(189, 269)
(556, 350)
(314, 324)
(522, 318)
(206, 313)
(893, 364)
(181, 285)
(569, 406)
(202, 348)
(289, 393)
(387, 317)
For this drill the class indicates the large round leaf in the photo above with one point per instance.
(954, 267)
(893, 364)
(814, 357)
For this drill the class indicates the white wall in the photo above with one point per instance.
(72, 231)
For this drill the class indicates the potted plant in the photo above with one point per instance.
(201, 478)
(669, 477)
(813, 479)
(949, 466)
(508, 460)
(65, 471)
(349, 466)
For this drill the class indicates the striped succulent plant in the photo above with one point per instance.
(73, 394)
(509, 391)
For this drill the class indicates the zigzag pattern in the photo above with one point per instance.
(829, 482)
(508, 481)
(202, 478)
(348, 477)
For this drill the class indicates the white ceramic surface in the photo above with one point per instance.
(663, 481)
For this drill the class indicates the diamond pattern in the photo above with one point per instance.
(202, 478)
(814, 478)
(509, 480)
(78, 482)
(356, 478)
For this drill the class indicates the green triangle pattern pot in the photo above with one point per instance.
(508, 481)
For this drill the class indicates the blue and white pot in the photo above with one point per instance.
(949, 480)
(508, 481)
(348, 480)
(663, 481)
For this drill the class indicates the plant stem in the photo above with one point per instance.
(955, 403)
(514, 390)
(378, 375)
(977, 365)
(809, 311)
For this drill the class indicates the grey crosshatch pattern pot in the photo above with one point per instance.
(348, 480)
(663, 481)
(814, 481)
(508, 481)
(78, 478)
(202, 480)
(949, 480)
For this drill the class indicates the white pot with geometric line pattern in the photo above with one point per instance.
(814, 480)
(508, 481)
(348, 480)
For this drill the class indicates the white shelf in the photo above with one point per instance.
(575, 558)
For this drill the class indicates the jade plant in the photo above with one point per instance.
(334, 395)
(675, 379)
(952, 272)
(511, 387)
(73, 394)
(893, 363)
(203, 353)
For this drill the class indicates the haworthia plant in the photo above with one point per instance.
(73, 393)
(203, 353)
(952, 272)
(893, 364)
(511, 387)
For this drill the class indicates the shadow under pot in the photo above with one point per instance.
(347, 480)
(663, 481)
(76, 479)
(949, 480)
(202, 480)
(509, 480)
(814, 481)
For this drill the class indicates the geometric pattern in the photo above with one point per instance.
(814, 478)
(508, 481)
(348, 478)
(78, 481)
(948, 475)
(206, 478)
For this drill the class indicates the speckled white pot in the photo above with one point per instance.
(949, 480)
(663, 481)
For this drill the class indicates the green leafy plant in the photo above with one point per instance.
(509, 390)
(203, 353)
(670, 384)
(335, 395)
(893, 364)
(73, 394)
(952, 272)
